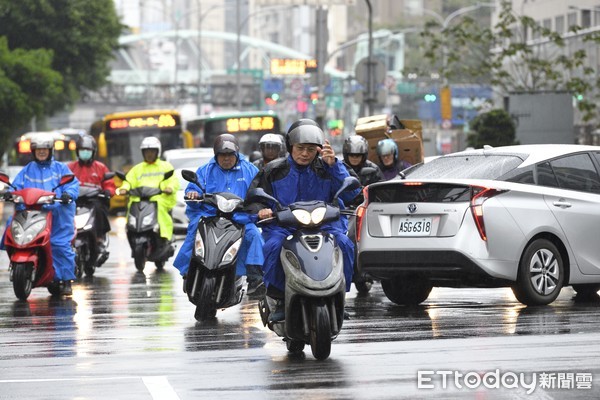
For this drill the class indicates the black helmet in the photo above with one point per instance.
(226, 143)
(304, 131)
(87, 142)
(355, 145)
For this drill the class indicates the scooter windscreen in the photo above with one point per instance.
(314, 254)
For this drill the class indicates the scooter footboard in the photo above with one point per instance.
(299, 314)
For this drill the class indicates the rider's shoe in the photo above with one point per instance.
(277, 308)
(65, 289)
(256, 286)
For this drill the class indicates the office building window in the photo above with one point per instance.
(547, 23)
(559, 24)
(586, 18)
(571, 20)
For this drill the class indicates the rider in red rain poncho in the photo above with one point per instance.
(90, 173)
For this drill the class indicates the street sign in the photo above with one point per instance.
(377, 69)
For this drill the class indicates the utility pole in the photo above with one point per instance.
(322, 38)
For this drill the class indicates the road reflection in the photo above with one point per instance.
(238, 327)
(52, 319)
(304, 372)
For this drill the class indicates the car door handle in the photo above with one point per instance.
(562, 204)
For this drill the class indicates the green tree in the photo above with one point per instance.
(494, 128)
(82, 35)
(28, 87)
(511, 62)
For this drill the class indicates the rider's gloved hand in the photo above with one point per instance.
(7, 196)
(66, 198)
(106, 193)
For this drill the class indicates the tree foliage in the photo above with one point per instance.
(82, 35)
(519, 55)
(28, 87)
(494, 128)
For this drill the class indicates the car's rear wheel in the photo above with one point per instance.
(587, 290)
(541, 274)
(406, 290)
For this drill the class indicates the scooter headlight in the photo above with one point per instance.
(232, 251)
(46, 199)
(317, 215)
(147, 220)
(302, 216)
(199, 245)
(306, 218)
(23, 236)
(225, 205)
(132, 221)
(81, 220)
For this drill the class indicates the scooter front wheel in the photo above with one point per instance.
(320, 332)
(22, 280)
(205, 308)
(139, 257)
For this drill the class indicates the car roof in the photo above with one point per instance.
(531, 153)
(186, 153)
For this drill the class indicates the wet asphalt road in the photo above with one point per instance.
(127, 335)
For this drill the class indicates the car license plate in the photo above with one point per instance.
(414, 227)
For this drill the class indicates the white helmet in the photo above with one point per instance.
(151, 142)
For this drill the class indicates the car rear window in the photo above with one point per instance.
(396, 192)
(472, 166)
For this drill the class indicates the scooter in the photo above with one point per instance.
(27, 239)
(315, 287)
(211, 281)
(143, 231)
(88, 255)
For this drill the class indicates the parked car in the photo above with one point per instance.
(188, 158)
(185, 159)
(525, 216)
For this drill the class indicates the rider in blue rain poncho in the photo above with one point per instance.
(302, 176)
(45, 173)
(228, 171)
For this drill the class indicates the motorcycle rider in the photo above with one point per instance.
(355, 151)
(150, 172)
(390, 164)
(301, 176)
(45, 173)
(270, 146)
(90, 172)
(228, 171)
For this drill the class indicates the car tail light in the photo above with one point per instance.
(360, 212)
(479, 196)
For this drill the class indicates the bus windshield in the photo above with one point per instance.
(122, 134)
(248, 126)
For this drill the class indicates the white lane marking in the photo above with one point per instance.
(159, 388)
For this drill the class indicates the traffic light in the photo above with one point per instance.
(314, 98)
(272, 99)
(430, 97)
(336, 126)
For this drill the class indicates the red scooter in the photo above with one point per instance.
(27, 240)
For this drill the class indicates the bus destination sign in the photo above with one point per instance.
(242, 124)
(160, 121)
(289, 66)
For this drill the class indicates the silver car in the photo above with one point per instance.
(526, 216)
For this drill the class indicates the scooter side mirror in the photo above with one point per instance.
(64, 180)
(192, 177)
(258, 195)
(368, 170)
(108, 175)
(350, 183)
(168, 174)
(120, 175)
(4, 178)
